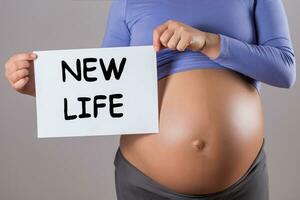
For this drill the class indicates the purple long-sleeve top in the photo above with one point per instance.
(254, 36)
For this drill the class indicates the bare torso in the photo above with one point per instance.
(211, 129)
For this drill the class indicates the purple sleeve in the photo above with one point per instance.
(116, 32)
(272, 59)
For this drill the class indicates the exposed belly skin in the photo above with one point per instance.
(211, 129)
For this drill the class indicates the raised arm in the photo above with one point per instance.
(272, 59)
(116, 32)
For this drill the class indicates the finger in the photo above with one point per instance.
(184, 42)
(166, 36)
(21, 64)
(172, 44)
(17, 75)
(19, 85)
(156, 35)
(23, 56)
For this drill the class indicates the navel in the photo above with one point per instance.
(199, 144)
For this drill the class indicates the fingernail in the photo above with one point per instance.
(33, 55)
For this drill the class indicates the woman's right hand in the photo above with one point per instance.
(19, 71)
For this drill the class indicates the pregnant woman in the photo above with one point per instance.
(212, 57)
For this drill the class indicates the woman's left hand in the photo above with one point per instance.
(178, 36)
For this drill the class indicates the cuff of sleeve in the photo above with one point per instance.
(224, 49)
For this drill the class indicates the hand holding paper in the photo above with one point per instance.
(19, 71)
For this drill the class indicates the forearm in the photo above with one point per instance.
(272, 63)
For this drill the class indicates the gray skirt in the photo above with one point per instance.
(133, 184)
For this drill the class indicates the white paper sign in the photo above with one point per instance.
(99, 91)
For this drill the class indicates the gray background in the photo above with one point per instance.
(82, 167)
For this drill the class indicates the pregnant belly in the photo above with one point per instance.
(211, 129)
